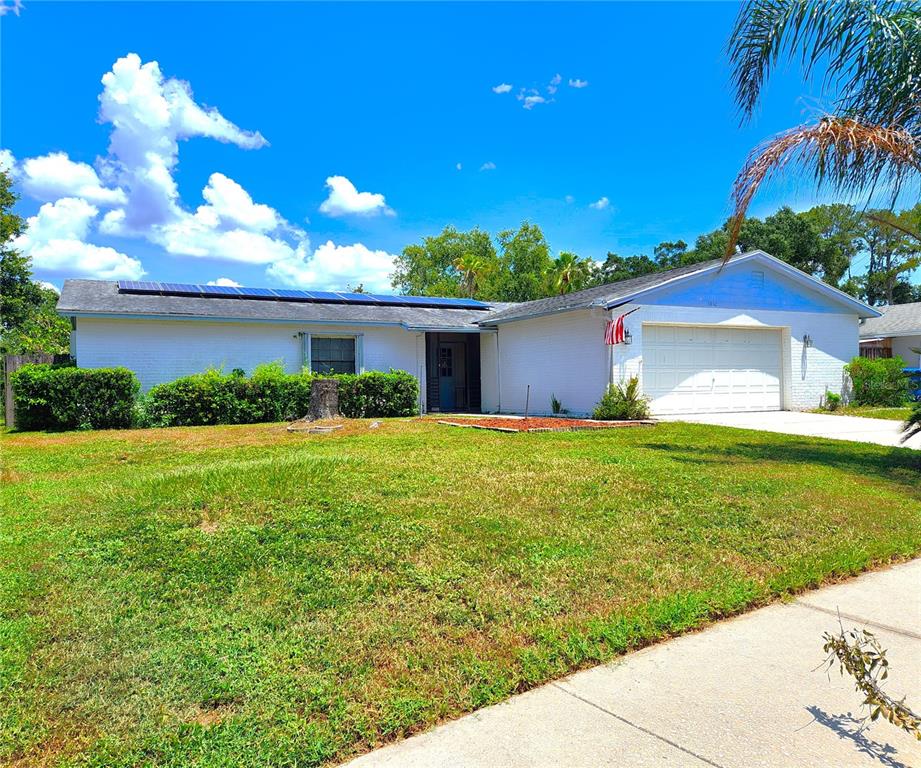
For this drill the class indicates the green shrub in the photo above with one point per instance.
(270, 394)
(377, 395)
(832, 401)
(623, 402)
(52, 397)
(878, 382)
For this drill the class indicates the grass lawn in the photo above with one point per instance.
(870, 411)
(246, 596)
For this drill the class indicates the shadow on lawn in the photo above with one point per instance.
(901, 465)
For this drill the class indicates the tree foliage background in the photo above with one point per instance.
(867, 254)
(28, 320)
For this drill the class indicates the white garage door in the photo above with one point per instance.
(705, 369)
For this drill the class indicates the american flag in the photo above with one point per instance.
(614, 331)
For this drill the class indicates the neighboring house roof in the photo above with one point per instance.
(101, 298)
(895, 320)
(615, 294)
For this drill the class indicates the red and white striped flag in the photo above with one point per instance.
(614, 331)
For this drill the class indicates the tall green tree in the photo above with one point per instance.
(870, 51)
(569, 273)
(28, 320)
(524, 261)
(19, 295)
(670, 254)
(430, 269)
(474, 270)
(892, 252)
(615, 268)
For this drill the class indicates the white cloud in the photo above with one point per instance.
(336, 266)
(577, 83)
(10, 6)
(488, 166)
(569, 199)
(149, 115)
(345, 199)
(48, 286)
(459, 166)
(55, 241)
(53, 176)
(554, 83)
(8, 162)
(225, 282)
(230, 203)
(600, 204)
(502, 88)
(530, 98)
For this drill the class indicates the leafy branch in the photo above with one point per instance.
(859, 653)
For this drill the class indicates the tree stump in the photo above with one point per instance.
(324, 400)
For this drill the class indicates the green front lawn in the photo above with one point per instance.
(246, 596)
(870, 411)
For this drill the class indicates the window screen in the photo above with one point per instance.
(332, 355)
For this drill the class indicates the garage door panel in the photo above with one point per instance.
(691, 369)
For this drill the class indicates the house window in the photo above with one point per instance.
(332, 355)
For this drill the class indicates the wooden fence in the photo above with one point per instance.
(14, 362)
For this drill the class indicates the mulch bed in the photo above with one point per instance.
(540, 424)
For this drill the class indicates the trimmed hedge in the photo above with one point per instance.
(51, 397)
(271, 394)
(879, 382)
(377, 395)
(215, 397)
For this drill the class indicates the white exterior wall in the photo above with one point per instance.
(163, 350)
(562, 354)
(902, 346)
(489, 373)
(807, 373)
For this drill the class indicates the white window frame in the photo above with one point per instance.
(307, 348)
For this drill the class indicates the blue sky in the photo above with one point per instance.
(396, 103)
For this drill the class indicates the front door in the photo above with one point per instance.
(452, 375)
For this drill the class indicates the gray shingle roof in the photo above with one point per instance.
(897, 320)
(101, 297)
(600, 295)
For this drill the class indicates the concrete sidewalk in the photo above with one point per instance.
(856, 428)
(745, 692)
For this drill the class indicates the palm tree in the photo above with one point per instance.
(472, 269)
(569, 273)
(871, 138)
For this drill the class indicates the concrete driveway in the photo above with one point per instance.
(859, 429)
(745, 693)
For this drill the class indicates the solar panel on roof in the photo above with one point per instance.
(360, 298)
(286, 294)
(220, 290)
(249, 293)
(323, 296)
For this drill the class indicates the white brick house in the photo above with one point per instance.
(755, 334)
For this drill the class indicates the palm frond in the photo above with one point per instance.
(869, 48)
(845, 153)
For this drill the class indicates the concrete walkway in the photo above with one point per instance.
(858, 428)
(745, 693)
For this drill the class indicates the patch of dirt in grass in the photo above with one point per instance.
(212, 717)
(207, 525)
(536, 423)
(8, 475)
